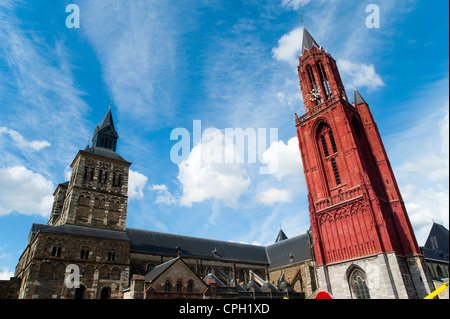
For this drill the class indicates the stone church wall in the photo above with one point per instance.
(44, 274)
(299, 277)
(385, 279)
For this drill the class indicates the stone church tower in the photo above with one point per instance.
(364, 244)
(97, 193)
(86, 230)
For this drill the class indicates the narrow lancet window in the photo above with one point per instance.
(336, 172)
(333, 142)
(325, 147)
(324, 80)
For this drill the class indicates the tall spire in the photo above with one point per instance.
(308, 41)
(105, 135)
(358, 98)
(108, 122)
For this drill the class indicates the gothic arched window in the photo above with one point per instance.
(311, 77)
(56, 251)
(191, 286)
(84, 254)
(337, 177)
(358, 284)
(179, 286)
(328, 151)
(117, 179)
(324, 80)
(167, 286)
(100, 175)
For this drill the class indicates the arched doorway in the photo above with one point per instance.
(80, 293)
(105, 293)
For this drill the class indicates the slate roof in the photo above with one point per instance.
(150, 242)
(281, 236)
(438, 239)
(105, 152)
(158, 270)
(280, 252)
(358, 98)
(435, 255)
(308, 41)
(82, 231)
(108, 123)
(166, 244)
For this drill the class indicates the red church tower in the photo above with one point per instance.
(364, 244)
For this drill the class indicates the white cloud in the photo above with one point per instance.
(136, 185)
(360, 74)
(164, 196)
(67, 173)
(202, 181)
(19, 140)
(286, 155)
(290, 99)
(289, 47)
(423, 175)
(273, 196)
(294, 4)
(24, 192)
(5, 274)
(425, 205)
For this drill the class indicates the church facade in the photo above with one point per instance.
(87, 230)
(360, 244)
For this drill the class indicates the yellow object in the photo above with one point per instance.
(437, 292)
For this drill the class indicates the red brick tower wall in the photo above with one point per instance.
(356, 208)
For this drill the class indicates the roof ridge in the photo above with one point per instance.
(194, 237)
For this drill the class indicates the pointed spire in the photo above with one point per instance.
(105, 135)
(308, 41)
(281, 236)
(358, 98)
(107, 122)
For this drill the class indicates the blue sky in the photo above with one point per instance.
(230, 65)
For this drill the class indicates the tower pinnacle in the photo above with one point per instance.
(308, 41)
(105, 135)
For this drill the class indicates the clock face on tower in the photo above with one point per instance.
(314, 94)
